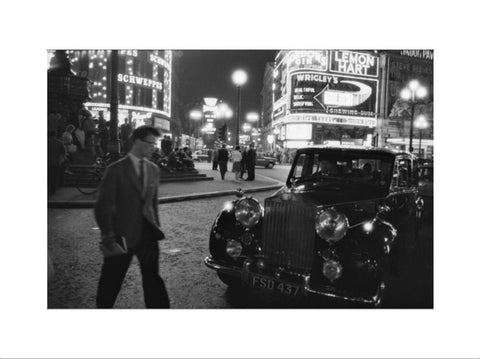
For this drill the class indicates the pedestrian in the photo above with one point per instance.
(250, 163)
(89, 127)
(243, 166)
(103, 135)
(55, 159)
(215, 159)
(80, 135)
(223, 160)
(127, 210)
(125, 132)
(237, 160)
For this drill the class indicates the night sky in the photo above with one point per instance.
(208, 73)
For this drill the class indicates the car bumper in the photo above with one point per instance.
(244, 273)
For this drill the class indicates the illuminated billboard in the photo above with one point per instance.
(144, 80)
(330, 94)
(330, 86)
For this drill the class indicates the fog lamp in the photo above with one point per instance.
(234, 248)
(248, 212)
(260, 264)
(332, 270)
(331, 225)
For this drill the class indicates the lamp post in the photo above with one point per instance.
(412, 92)
(196, 115)
(421, 123)
(239, 77)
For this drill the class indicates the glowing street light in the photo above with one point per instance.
(410, 93)
(252, 117)
(196, 115)
(421, 123)
(239, 77)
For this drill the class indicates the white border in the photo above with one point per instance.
(29, 330)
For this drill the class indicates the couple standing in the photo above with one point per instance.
(241, 161)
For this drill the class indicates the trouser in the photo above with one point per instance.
(223, 168)
(242, 170)
(215, 165)
(251, 172)
(114, 270)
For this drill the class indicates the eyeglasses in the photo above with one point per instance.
(150, 143)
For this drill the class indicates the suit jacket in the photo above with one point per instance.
(250, 158)
(121, 207)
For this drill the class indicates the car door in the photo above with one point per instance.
(401, 199)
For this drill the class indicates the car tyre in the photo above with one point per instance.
(269, 165)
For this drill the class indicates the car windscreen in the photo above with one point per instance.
(358, 168)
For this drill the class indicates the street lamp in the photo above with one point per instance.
(239, 77)
(412, 92)
(421, 123)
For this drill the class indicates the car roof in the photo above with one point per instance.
(365, 149)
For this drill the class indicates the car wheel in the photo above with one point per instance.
(270, 165)
(229, 280)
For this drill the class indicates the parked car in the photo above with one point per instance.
(265, 161)
(199, 156)
(344, 216)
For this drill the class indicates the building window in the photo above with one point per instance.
(159, 100)
(136, 96)
(149, 70)
(122, 65)
(137, 68)
(122, 94)
(147, 98)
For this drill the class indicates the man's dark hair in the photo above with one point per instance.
(144, 131)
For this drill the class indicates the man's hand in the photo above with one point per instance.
(108, 239)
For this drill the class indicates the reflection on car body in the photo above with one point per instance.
(425, 178)
(331, 231)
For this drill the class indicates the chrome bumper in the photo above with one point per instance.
(245, 272)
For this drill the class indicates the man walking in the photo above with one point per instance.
(223, 160)
(250, 163)
(127, 208)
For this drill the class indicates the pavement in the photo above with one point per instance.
(70, 197)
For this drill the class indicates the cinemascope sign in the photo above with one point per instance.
(334, 95)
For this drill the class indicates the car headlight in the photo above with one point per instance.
(332, 270)
(234, 248)
(331, 225)
(248, 212)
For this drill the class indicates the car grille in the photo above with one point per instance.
(289, 235)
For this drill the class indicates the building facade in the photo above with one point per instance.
(144, 85)
(348, 97)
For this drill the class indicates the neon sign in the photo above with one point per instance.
(331, 94)
(159, 61)
(307, 58)
(354, 63)
(130, 79)
(133, 53)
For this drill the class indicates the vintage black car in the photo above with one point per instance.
(332, 231)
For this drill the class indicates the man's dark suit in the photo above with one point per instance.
(125, 209)
(250, 164)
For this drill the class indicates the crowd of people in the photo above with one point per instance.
(243, 161)
(87, 135)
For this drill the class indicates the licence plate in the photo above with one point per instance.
(275, 285)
